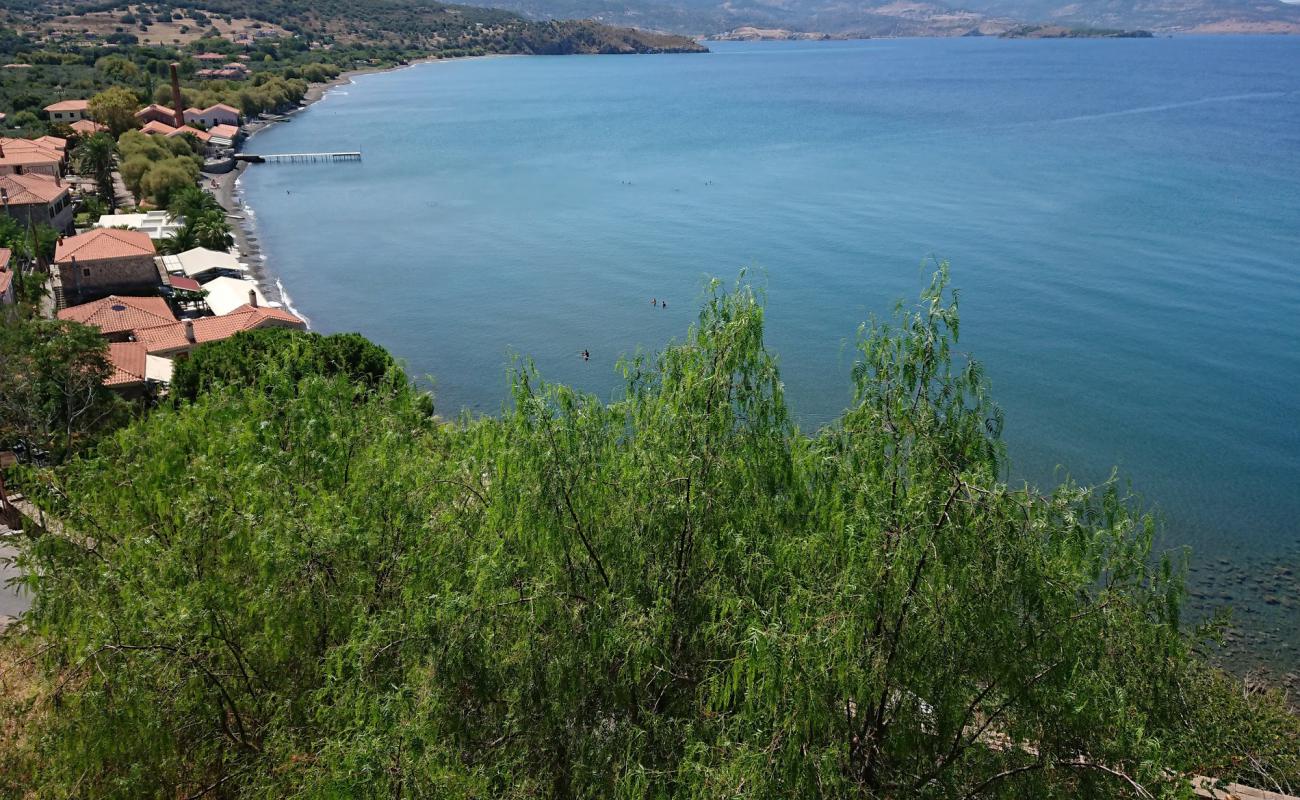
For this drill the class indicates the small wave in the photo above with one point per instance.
(288, 303)
(1227, 98)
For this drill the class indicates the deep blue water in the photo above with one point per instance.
(1122, 217)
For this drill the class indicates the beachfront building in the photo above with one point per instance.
(68, 111)
(157, 224)
(226, 295)
(221, 136)
(178, 339)
(37, 199)
(105, 261)
(219, 114)
(201, 264)
(7, 296)
(44, 156)
(136, 370)
(117, 318)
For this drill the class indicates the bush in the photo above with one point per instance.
(308, 588)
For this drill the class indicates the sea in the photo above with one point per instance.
(1122, 218)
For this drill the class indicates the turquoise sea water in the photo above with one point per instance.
(1122, 217)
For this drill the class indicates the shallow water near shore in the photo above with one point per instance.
(1122, 218)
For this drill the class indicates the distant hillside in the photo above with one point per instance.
(923, 17)
(407, 25)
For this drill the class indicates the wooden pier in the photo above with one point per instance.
(299, 158)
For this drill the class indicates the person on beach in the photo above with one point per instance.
(654, 301)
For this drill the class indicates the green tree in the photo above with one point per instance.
(52, 396)
(192, 202)
(96, 157)
(166, 177)
(308, 587)
(117, 69)
(182, 239)
(252, 358)
(212, 230)
(115, 108)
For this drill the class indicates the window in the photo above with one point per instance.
(85, 271)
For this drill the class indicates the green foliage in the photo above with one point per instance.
(157, 166)
(115, 108)
(249, 357)
(51, 393)
(298, 585)
(96, 157)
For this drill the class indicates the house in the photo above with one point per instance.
(28, 156)
(178, 339)
(7, 296)
(37, 199)
(202, 264)
(202, 135)
(158, 224)
(118, 317)
(219, 114)
(210, 57)
(86, 127)
(156, 113)
(158, 127)
(230, 72)
(68, 111)
(225, 294)
(105, 261)
(135, 369)
(223, 135)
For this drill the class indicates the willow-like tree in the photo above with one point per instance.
(305, 587)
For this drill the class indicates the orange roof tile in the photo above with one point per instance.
(6, 278)
(202, 135)
(104, 243)
(5, 255)
(223, 106)
(155, 108)
(52, 142)
(32, 189)
(69, 105)
(169, 338)
(224, 131)
(87, 126)
(128, 360)
(116, 314)
(154, 126)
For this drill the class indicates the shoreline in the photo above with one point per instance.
(226, 186)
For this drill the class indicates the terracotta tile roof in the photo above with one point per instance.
(32, 189)
(184, 284)
(69, 105)
(223, 106)
(6, 278)
(28, 151)
(116, 314)
(202, 135)
(5, 255)
(170, 338)
(87, 126)
(104, 243)
(128, 360)
(224, 131)
(155, 108)
(154, 126)
(52, 142)
(209, 57)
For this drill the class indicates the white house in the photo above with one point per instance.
(68, 111)
(220, 114)
(202, 265)
(227, 294)
(158, 224)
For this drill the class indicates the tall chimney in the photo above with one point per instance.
(177, 104)
(189, 331)
(252, 297)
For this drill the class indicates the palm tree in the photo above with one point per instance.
(191, 203)
(96, 157)
(212, 230)
(183, 239)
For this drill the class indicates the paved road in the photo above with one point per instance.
(12, 601)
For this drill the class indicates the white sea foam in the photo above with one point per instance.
(288, 303)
